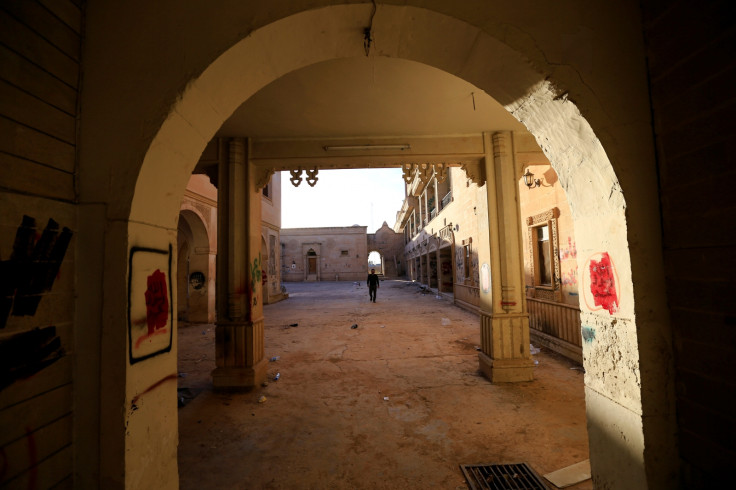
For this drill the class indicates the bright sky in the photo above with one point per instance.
(365, 197)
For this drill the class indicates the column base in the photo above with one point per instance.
(240, 378)
(506, 370)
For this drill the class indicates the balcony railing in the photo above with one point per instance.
(558, 325)
(446, 200)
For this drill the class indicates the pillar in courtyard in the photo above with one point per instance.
(239, 352)
(504, 355)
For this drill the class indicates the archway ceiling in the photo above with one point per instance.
(367, 97)
(359, 101)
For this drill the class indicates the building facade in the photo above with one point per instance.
(324, 254)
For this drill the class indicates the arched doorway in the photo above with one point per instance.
(196, 296)
(311, 265)
(146, 211)
(375, 261)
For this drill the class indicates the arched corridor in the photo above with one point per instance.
(195, 264)
(107, 109)
(568, 140)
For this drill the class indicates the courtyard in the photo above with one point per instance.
(371, 395)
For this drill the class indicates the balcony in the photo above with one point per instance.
(446, 200)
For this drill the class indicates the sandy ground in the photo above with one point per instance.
(397, 402)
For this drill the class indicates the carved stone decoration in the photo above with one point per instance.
(312, 176)
(549, 218)
(296, 178)
(425, 172)
(440, 172)
(408, 170)
(475, 172)
(263, 176)
(446, 235)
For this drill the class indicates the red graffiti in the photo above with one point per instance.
(155, 385)
(602, 283)
(32, 458)
(157, 302)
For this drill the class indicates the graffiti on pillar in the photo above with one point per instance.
(588, 334)
(27, 353)
(255, 279)
(601, 293)
(32, 267)
(150, 316)
(474, 267)
(459, 265)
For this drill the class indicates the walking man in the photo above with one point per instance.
(372, 285)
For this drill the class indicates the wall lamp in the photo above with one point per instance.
(530, 181)
(367, 147)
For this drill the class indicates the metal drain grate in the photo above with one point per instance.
(502, 477)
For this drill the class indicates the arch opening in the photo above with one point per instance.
(595, 196)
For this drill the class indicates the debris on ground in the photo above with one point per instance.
(385, 398)
(446, 321)
(477, 347)
(578, 368)
(276, 376)
(182, 375)
(293, 324)
(262, 399)
(534, 350)
(275, 358)
(184, 396)
(354, 326)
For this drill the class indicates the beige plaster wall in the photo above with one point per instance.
(328, 243)
(540, 200)
(271, 206)
(391, 247)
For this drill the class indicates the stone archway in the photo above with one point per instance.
(603, 228)
(194, 265)
(379, 266)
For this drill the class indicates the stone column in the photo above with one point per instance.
(505, 353)
(239, 349)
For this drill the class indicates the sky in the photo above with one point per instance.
(365, 197)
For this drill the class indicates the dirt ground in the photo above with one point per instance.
(396, 403)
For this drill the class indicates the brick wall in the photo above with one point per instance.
(692, 64)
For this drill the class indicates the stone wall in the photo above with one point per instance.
(391, 247)
(197, 252)
(341, 253)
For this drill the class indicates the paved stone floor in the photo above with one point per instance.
(395, 403)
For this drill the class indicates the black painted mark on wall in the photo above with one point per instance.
(27, 353)
(32, 267)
